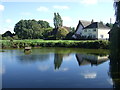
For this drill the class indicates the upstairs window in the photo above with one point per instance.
(85, 30)
(94, 30)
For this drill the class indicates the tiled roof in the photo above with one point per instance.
(85, 23)
(97, 25)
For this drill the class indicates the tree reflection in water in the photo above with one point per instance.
(115, 71)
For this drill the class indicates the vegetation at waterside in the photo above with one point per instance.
(92, 44)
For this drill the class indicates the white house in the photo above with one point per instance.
(81, 24)
(95, 30)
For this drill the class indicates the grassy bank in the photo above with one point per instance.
(92, 44)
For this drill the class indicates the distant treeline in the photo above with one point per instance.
(92, 44)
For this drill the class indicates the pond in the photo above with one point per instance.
(56, 68)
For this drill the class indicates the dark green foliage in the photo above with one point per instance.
(109, 25)
(7, 33)
(96, 44)
(117, 11)
(30, 29)
(69, 36)
(44, 24)
(61, 33)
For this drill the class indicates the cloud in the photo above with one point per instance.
(8, 21)
(42, 9)
(2, 8)
(61, 7)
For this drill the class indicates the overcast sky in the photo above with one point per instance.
(71, 11)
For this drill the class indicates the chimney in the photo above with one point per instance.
(110, 20)
(92, 21)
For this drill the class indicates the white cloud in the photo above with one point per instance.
(61, 7)
(8, 21)
(42, 9)
(2, 8)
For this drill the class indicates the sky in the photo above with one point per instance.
(71, 11)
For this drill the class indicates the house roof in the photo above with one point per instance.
(97, 25)
(68, 28)
(83, 23)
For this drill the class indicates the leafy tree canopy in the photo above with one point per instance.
(30, 29)
(58, 22)
(7, 33)
(61, 33)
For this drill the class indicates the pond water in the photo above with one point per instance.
(55, 68)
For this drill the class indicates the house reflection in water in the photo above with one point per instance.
(85, 59)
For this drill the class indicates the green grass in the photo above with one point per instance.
(93, 44)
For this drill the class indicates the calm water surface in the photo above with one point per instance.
(56, 68)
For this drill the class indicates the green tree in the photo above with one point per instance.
(30, 29)
(109, 25)
(61, 33)
(7, 33)
(44, 24)
(58, 22)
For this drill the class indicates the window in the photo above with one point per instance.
(94, 36)
(102, 36)
(94, 30)
(85, 30)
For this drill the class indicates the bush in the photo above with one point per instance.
(93, 44)
(61, 33)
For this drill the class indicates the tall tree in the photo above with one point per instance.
(30, 29)
(117, 11)
(57, 20)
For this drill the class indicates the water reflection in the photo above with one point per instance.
(33, 58)
(54, 69)
(115, 69)
(58, 58)
(85, 59)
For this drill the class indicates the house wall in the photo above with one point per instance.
(103, 33)
(78, 31)
(90, 32)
